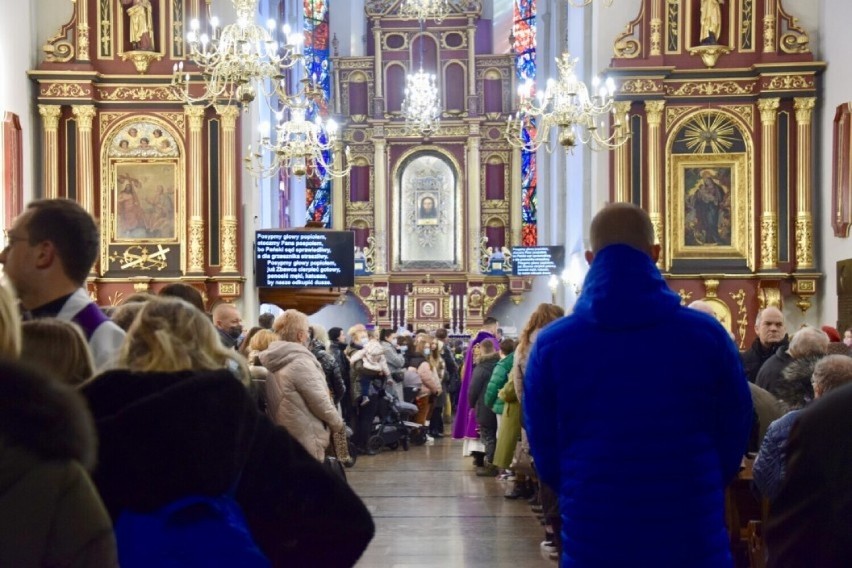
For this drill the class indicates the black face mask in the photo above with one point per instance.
(234, 331)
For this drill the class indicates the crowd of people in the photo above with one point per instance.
(158, 434)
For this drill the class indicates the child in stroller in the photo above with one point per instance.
(393, 427)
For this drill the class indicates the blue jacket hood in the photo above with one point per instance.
(624, 289)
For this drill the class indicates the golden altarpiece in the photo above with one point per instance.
(161, 176)
(721, 99)
(429, 264)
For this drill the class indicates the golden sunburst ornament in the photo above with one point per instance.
(710, 134)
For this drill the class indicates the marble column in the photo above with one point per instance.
(50, 149)
(195, 114)
(654, 117)
(85, 114)
(804, 108)
(228, 223)
(769, 183)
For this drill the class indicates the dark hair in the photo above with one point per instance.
(490, 321)
(244, 346)
(507, 346)
(71, 230)
(184, 292)
(441, 333)
(334, 333)
(384, 333)
(265, 320)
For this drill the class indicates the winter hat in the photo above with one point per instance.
(833, 335)
(334, 333)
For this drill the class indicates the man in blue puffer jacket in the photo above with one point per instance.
(639, 446)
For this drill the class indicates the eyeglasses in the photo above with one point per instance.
(10, 239)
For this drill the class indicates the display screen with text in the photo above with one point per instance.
(304, 259)
(537, 261)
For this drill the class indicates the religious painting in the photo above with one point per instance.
(709, 207)
(427, 208)
(144, 201)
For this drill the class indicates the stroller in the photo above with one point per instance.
(392, 426)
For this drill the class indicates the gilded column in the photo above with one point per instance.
(82, 31)
(769, 183)
(769, 20)
(228, 223)
(85, 162)
(654, 116)
(621, 172)
(516, 198)
(474, 203)
(380, 207)
(656, 28)
(50, 149)
(195, 114)
(804, 174)
(337, 191)
(472, 106)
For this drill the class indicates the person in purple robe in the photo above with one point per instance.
(465, 426)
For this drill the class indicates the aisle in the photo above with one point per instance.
(431, 510)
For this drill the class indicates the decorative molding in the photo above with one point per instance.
(229, 244)
(656, 36)
(639, 86)
(673, 26)
(628, 45)
(768, 110)
(795, 39)
(138, 94)
(141, 59)
(804, 241)
(196, 244)
(59, 49)
(673, 114)
(744, 112)
(768, 241)
(711, 88)
(790, 83)
(769, 34)
(741, 316)
(747, 25)
(66, 90)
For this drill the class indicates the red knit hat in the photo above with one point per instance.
(833, 335)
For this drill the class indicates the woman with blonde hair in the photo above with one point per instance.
(430, 384)
(177, 427)
(10, 325)
(70, 358)
(297, 393)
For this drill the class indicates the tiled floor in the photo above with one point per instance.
(431, 510)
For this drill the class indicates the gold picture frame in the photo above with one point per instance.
(709, 208)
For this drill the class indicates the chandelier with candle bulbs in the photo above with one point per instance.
(579, 117)
(425, 9)
(297, 144)
(422, 104)
(240, 60)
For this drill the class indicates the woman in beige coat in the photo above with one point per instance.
(297, 393)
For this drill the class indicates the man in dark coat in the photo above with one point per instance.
(639, 447)
(812, 517)
(485, 417)
(771, 336)
(807, 342)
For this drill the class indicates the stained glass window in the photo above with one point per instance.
(317, 62)
(524, 44)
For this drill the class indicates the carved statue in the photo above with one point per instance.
(711, 21)
(141, 24)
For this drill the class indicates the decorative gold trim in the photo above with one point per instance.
(795, 39)
(769, 151)
(229, 239)
(741, 316)
(768, 33)
(105, 19)
(805, 289)
(804, 173)
(654, 117)
(141, 59)
(195, 114)
(674, 113)
(138, 94)
(59, 49)
(790, 83)
(656, 36)
(621, 159)
(640, 86)
(711, 88)
(768, 241)
(627, 46)
(747, 27)
(744, 112)
(66, 90)
(709, 54)
(85, 114)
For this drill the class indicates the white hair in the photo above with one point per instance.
(808, 341)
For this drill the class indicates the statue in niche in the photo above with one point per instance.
(711, 21)
(141, 30)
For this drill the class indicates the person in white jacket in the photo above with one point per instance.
(297, 393)
(48, 254)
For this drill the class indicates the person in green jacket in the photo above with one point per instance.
(499, 378)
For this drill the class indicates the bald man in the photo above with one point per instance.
(771, 336)
(637, 410)
(229, 324)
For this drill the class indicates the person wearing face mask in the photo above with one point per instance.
(430, 384)
(228, 324)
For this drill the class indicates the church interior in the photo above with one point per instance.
(733, 132)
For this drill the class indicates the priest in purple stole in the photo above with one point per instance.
(465, 424)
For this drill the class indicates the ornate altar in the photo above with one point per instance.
(159, 175)
(720, 98)
(426, 209)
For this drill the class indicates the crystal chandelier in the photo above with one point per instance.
(425, 9)
(422, 105)
(239, 60)
(566, 105)
(302, 146)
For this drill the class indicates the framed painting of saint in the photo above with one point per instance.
(144, 202)
(427, 208)
(709, 210)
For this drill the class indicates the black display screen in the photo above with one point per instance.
(538, 261)
(304, 259)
